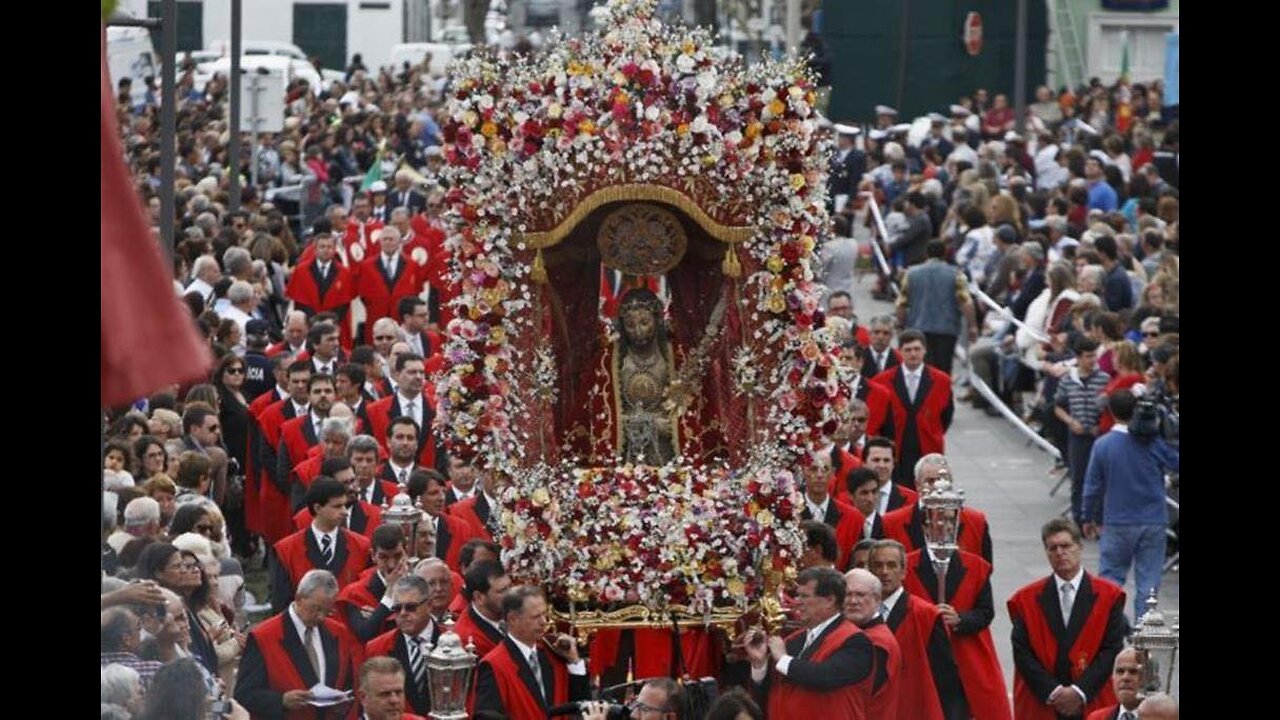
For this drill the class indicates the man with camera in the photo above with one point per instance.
(1124, 501)
(824, 669)
(660, 699)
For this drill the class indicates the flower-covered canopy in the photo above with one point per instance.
(535, 142)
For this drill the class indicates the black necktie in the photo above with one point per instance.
(325, 549)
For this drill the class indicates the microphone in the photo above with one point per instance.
(612, 712)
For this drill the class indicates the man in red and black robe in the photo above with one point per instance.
(1062, 665)
(931, 687)
(862, 608)
(485, 584)
(325, 545)
(362, 517)
(906, 524)
(922, 405)
(322, 284)
(385, 279)
(522, 677)
(365, 605)
(410, 400)
(273, 488)
(840, 516)
(967, 608)
(450, 533)
(825, 669)
(277, 670)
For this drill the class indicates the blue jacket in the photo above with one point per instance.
(1124, 483)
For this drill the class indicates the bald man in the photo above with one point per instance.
(1126, 679)
(1158, 706)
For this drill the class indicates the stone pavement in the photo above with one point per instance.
(1003, 475)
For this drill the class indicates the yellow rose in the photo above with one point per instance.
(586, 127)
(809, 97)
(675, 488)
(797, 181)
(489, 129)
(809, 351)
(688, 47)
(753, 130)
(491, 362)
(765, 518)
(619, 79)
(682, 129)
(775, 264)
(474, 313)
(808, 242)
(726, 100)
(469, 118)
(497, 146)
(497, 335)
(735, 586)
(554, 110)
(455, 397)
(540, 497)
(776, 303)
(708, 160)
(777, 107)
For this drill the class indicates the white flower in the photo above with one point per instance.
(485, 102)
(652, 112)
(699, 124)
(686, 64)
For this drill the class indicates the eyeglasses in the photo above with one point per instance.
(407, 607)
(384, 337)
(643, 707)
(235, 371)
(1150, 334)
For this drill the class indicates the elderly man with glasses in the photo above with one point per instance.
(416, 632)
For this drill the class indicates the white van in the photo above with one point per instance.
(130, 54)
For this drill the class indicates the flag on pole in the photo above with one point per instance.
(375, 170)
(148, 339)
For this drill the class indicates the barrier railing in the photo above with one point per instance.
(884, 234)
(1006, 313)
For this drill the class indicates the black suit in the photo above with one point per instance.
(850, 664)
(417, 697)
(870, 369)
(942, 663)
(254, 692)
(412, 199)
(1038, 678)
(487, 695)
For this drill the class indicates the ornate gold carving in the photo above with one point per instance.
(637, 192)
(641, 239)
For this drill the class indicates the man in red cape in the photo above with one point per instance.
(1062, 666)
(522, 677)
(823, 670)
(906, 524)
(920, 420)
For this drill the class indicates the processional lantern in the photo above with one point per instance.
(408, 515)
(449, 670)
(1157, 644)
(941, 505)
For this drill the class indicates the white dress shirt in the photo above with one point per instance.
(315, 639)
(576, 668)
(1075, 594)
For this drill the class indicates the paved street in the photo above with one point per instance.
(1005, 477)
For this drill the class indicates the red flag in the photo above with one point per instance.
(148, 338)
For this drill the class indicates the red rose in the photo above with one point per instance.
(791, 252)
(645, 78)
(630, 70)
(530, 147)
(535, 87)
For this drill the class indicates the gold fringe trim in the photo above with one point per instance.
(637, 192)
(729, 266)
(539, 272)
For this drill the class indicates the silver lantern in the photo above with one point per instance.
(404, 512)
(1157, 646)
(941, 505)
(449, 671)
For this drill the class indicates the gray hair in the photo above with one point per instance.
(317, 581)
(119, 684)
(236, 260)
(117, 625)
(194, 233)
(335, 426)
(385, 322)
(1094, 273)
(883, 321)
(361, 443)
(199, 202)
(411, 583)
(893, 544)
(391, 230)
(868, 577)
(140, 512)
(1158, 703)
(240, 292)
(201, 263)
(931, 459)
(208, 222)
(402, 212)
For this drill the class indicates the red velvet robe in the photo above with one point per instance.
(518, 701)
(276, 512)
(282, 673)
(252, 474)
(877, 399)
(917, 694)
(297, 437)
(702, 654)
(426, 247)
(470, 627)
(975, 653)
(358, 595)
(843, 462)
(848, 526)
(1025, 606)
(383, 411)
(382, 295)
(466, 510)
(789, 700)
(304, 291)
(930, 415)
(292, 554)
(358, 242)
(884, 704)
